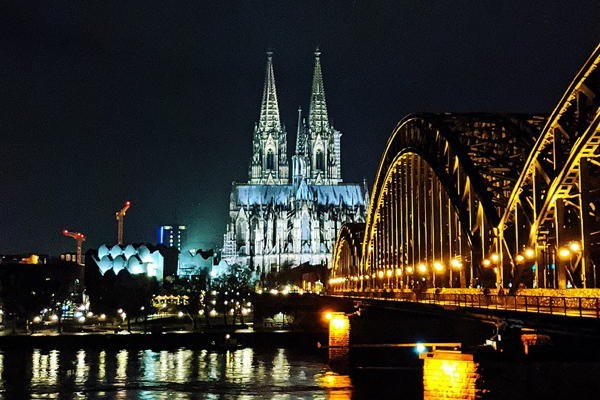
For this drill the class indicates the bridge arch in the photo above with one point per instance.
(553, 204)
(462, 164)
(498, 194)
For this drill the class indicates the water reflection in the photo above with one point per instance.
(449, 375)
(180, 374)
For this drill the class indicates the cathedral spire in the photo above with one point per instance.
(269, 109)
(300, 139)
(317, 112)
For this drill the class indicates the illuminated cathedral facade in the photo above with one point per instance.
(280, 219)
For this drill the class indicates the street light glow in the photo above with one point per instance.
(486, 263)
(495, 257)
(575, 247)
(519, 258)
(438, 266)
(529, 253)
(422, 268)
(564, 253)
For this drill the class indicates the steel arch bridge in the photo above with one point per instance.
(490, 200)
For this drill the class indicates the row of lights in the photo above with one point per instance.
(564, 252)
(422, 268)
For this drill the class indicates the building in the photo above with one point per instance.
(276, 221)
(153, 261)
(172, 235)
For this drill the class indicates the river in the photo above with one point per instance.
(249, 374)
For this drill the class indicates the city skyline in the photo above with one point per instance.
(95, 113)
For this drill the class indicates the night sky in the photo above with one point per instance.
(155, 102)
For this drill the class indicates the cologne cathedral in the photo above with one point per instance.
(278, 220)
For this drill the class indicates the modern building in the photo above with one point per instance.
(139, 258)
(172, 235)
(278, 221)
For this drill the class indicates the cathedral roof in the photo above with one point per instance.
(344, 194)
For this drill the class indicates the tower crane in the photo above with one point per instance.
(79, 239)
(120, 217)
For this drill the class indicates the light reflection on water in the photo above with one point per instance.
(179, 374)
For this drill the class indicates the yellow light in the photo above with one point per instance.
(495, 257)
(380, 274)
(180, 314)
(54, 317)
(102, 317)
(519, 258)
(438, 266)
(389, 273)
(529, 253)
(495, 270)
(422, 268)
(575, 247)
(338, 323)
(486, 263)
(409, 270)
(328, 316)
(456, 263)
(373, 276)
(398, 271)
(564, 253)
(37, 319)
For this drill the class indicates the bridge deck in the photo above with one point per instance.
(579, 307)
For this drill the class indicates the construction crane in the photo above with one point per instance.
(79, 239)
(120, 217)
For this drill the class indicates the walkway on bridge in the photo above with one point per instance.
(581, 307)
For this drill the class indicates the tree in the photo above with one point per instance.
(232, 288)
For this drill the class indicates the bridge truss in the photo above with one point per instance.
(486, 200)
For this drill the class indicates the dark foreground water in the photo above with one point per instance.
(249, 374)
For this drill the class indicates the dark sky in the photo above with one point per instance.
(155, 102)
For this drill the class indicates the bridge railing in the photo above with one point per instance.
(588, 307)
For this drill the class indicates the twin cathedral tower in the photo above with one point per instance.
(276, 221)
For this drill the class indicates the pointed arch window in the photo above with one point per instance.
(320, 161)
(270, 160)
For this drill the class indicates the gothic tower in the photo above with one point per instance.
(317, 158)
(269, 164)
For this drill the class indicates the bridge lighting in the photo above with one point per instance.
(420, 348)
(373, 276)
(519, 258)
(564, 253)
(529, 253)
(438, 266)
(456, 263)
(495, 257)
(328, 315)
(380, 274)
(486, 262)
(422, 268)
(575, 247)
(389, 273)
(398, 272)
(409, 270)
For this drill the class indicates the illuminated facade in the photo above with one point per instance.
(152, 261)
(275, 220)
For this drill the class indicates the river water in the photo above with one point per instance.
(249, 374)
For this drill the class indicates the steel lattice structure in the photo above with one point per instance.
(484, 199)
